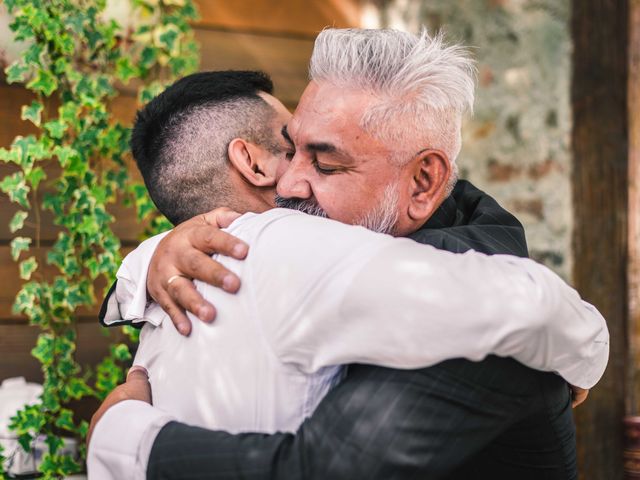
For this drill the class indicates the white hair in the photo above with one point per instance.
(422, 87)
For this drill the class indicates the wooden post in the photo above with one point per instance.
(600, 197)
(633, 402)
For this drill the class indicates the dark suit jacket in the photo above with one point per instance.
(460, 420)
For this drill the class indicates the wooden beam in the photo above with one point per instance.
(600, 198)
(633, 399)
(293, 18)
(17, 340)
(285, 59)
(11, 284)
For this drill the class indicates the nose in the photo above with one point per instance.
(294, 183)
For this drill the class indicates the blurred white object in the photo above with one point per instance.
(16, 393)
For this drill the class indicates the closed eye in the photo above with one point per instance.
(324, 170)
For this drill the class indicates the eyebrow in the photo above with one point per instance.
(285, 134)
(323, 147)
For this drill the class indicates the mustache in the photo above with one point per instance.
(310, 207)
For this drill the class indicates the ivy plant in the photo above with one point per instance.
(76, 62)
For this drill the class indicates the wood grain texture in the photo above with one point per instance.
(284, 59)
(11, 284)
(633, 399)
(600, 197)
(17, 340)
(282, 18)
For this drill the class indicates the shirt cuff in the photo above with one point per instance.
(122, 441)
(131, 298)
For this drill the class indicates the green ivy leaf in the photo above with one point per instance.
(25, 440)
(78, 388)
(39, 150)
(43, 351)
(32, 112)
(16, 187)
(121, 352)
(56, 128)
(37, 16)
(44, 82)
(65, 154)
(27, 267)
(19, 245)
(54, 443)
(12, 155)
(148, 56)
(125, 70)
(65, 419)
(35, 176)
(34, 54)
(27, 298)
(16, 72)
(17, 221)
(169, 37)
(66, 44)
(83, 428)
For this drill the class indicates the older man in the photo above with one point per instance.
(415, 188)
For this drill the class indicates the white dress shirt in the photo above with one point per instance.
(317, 294)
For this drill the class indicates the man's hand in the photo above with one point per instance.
(135, 388)
(184, 254)
(578, 395)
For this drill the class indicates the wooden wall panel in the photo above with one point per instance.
(17, 340)
(284, 18)
(11, 283)
(600, 239)
(633, 400)
(126, 226)
(284, 59)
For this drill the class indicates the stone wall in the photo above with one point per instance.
(516, 145)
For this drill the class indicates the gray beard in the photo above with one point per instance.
(310, 207)
(382, 218)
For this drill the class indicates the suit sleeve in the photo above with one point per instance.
(378, 424)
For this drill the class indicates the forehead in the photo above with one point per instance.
(328, 113)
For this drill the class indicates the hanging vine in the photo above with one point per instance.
(77, 59)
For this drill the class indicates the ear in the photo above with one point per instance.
(255, 164)
(431, 172)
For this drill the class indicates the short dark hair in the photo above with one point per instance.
(180, 138)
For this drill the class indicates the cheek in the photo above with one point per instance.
(343, 199)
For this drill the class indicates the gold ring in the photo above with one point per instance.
(137, 368)
(173, 277)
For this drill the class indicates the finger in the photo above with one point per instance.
(202, 267)
(137, 372)
(579, 398)
(184, 293)
(578, 395)
(177, 315)
(214, 240)
(221, 217)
